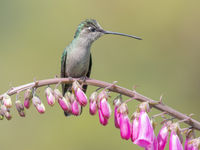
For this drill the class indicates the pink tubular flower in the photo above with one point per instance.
(145, 131)
(76, 108)
(93, 103)
(93, 107)
(36, 100)
(195, 144)
(188, 145)
(162, 137)
(20, 108)
(102, 119)
(5, 112)
(40, 108)
(116, 117)
(117, 102)
(125, 126)
(81, 97)
(28, 95)
(64, 104)
(174, 142)
(135, 127)
(189, 137)
(105, 108)
(27, 103)
(154, 146)
(50, 97)
(7, 101)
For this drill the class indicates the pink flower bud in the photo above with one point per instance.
(57, 94)
(145, 131)
(103, 94)
(189, 137)
(50, 97)
(36, 100)
(135, 127)
(76, 108)
(195, 144)
(102, 119)
(162, 137)
(20, 108)
(40, 108)
(5, 112)
(174, 142)
(8, 115)
(93, 97)
(28, 95)
(154, 146)
(64, 104)
(81, 97)
(123, 108)
(7, 101)
(93, 107)
(116, 117)
(27, 103)
(105, 108)
(125, 127)
(144, 106)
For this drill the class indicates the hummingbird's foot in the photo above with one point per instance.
(83, 78)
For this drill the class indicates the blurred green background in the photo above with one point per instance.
(33, 35)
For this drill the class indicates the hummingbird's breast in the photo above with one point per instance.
(77, 62)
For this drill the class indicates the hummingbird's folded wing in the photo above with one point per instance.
(63, 68)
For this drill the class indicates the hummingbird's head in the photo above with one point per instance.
(88, 29)
(91, 30)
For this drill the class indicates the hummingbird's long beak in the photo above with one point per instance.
(122, 34)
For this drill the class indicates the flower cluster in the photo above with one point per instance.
(139, 129)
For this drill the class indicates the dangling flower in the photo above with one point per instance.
(117, 102)
(145, 132)
(93, 103)
(36, 100)
(50, 97)
(75, 106)
(57, 94)
(20, 108)
(64, 104)
(195, 144)
(162, 137)
(40, 108)
(27, 98)
(154, 146)
(135, 126)
(80, 95)
(116, 117)
(174, 142)
(105, 108)
(102, 119)
(38, 104)
(5, 112)
(189, 137)
(125, 126)
(7, 101)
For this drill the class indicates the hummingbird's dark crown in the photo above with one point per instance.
(85, 24)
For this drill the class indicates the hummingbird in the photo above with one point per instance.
(76, 60)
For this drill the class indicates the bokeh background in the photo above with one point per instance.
(33, 35)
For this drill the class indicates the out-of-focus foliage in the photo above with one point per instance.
(33, 35)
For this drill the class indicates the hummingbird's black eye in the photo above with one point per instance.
(92, 29)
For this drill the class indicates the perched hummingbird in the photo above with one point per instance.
(76, 60)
